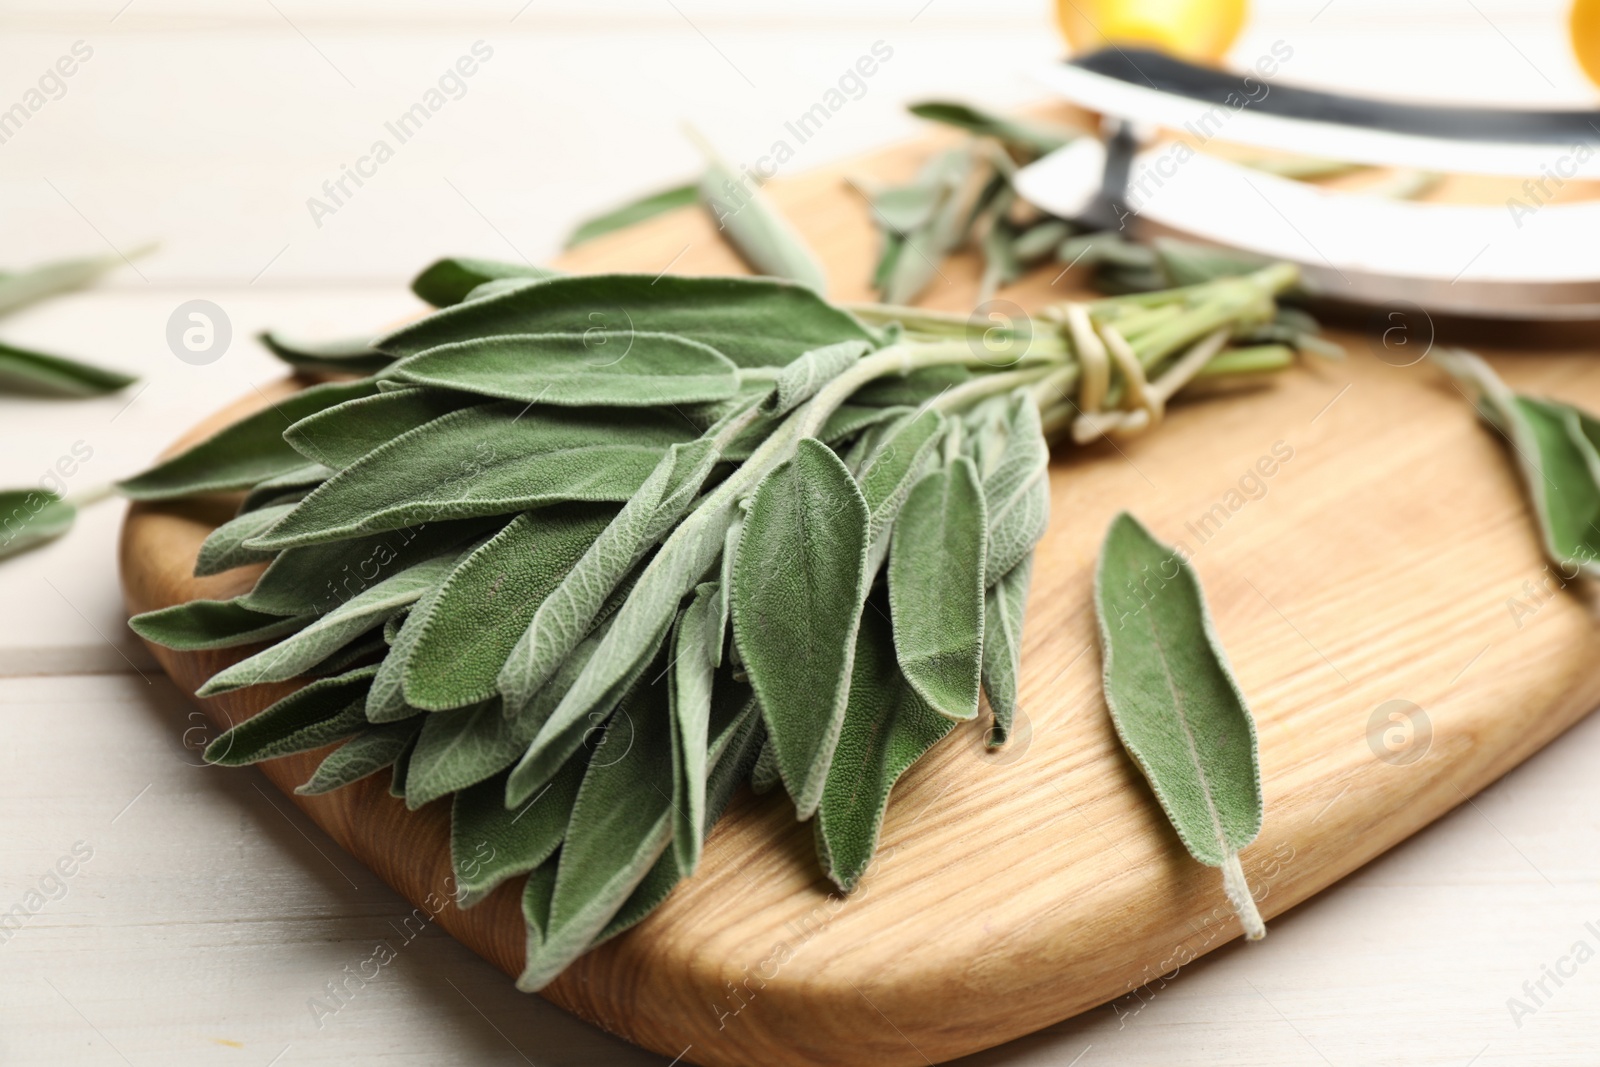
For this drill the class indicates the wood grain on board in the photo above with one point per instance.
(1362, 541)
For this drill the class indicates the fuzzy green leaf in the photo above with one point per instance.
(488, 460)
(1175, 703)
(338, 436)
(315, 715)
(936, 589)
(239, 456)
(206, 624)
(224, 549)
(756, 229)
(690, 684)
(755, 322)
(490, 843)
(487, 603)
(461, 748)
(23, 370)
(800, 380)
(31, 517)
(20, 288)
(1015, 470)
(448, 281)
(572, 369)
(635, 212)
(367, 753)
(353, 355)
(1034, 137)
(887, 728)
(799, 583)
(1003, 608)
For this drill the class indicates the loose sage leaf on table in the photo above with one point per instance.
(621, 823)
(489, 600)
(887, 728)
(318, 714)
(351, 356)
(936, 588)
(33, 373)
(448, 281)
(635, 212)
(1555, 457)
(756, 322)
(488, 460)
(1003, 607)
(244, 454)
(755, 227)
(569, 369)
(338, 436)
(31, 517)
(1176, 705)
(1037, 138)
(21, 288)
(798, 587)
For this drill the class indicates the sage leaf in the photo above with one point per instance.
(756, 322)
(365, 754)
(290, 487)
(449, 281)
(765, 776)
(205, 624)
(337, 628)
(490, 843)
(798, 588)
(349, 356)
(223, 549)
(887, 727)
(1003, 608)
(243, 454)
(620, 825)
(480, 461)
(26, 371)
(537, 892)
(460, 748)
(350, 655)
(386, 700)
(20, 288)
(1016, 488)
(800, 380)
(1036, 138)
(569, 611)
(1554, 456)
(569, 369)
(693, 672)
(1176, 705)
(936, 589)
(489, 600)
(338, 436)
(889, 472)
(314, 715)
(32, 517)
(754, 226)
(635, 212)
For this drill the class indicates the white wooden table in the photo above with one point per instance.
(203, 917)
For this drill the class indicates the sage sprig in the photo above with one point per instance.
(1176, 705)
(592, 550)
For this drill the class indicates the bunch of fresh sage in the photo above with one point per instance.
(584, 553)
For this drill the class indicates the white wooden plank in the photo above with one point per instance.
(210, 912)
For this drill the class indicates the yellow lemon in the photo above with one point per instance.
(1200, 30)
(1584, 23)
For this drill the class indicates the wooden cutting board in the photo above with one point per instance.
(1374, 577)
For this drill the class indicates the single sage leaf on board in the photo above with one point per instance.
(798, 589)
(224, 549)
(756, 229)
(206, 624)
(621, 824)
(367, 753)
(635, 212)
(887, 728)
(488, 601)
(31, 517)
(314, 715)
(353, 355)
(756, 322)
(1176, 705)
(23, 370)
(489, 460)
(1037, 138)
(936, 589)
(448, 281)
(1002, 646)
(572, 370)
(490, 843)
(239, 456)
(338, 436)
(1552, 454)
